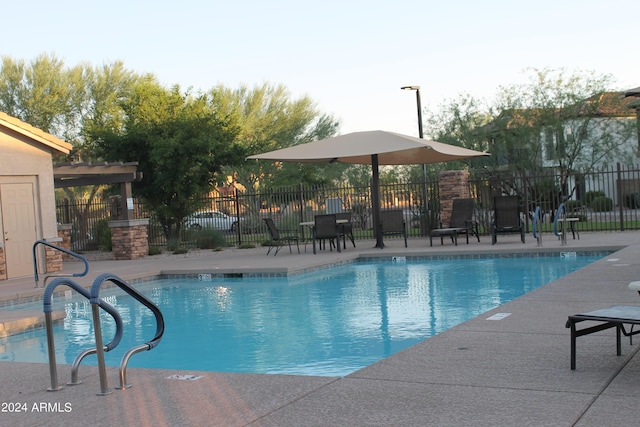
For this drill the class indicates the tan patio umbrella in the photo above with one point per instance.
(371, 148)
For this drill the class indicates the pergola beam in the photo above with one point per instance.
(80, 174)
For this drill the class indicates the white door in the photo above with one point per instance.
(19, 226)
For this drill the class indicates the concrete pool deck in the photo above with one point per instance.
(513, 371)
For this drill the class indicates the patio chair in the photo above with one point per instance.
(605, 318)
(461, 222)
(506, 217)
(393, 223)
(326, 228)
(346, 229)
(278, 241)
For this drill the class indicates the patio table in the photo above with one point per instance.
(441, 232)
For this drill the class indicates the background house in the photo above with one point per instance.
(570, 142)
(600, 131)
(27, 200)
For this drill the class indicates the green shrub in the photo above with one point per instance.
(102, 234)
(601, 204)
(210, 238)
(172, 245)
(154, 250)
(632, 200)
(589, 196)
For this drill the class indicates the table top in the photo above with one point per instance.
(312, 223)
(450, 230)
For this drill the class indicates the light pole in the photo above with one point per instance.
(425, 211)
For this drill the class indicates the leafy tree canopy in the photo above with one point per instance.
(268, 119)
(180, 144)
(556, 119)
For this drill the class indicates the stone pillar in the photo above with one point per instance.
(3, 265)
(452, 185)
(64, 233)
(129, 238)
(52, 256)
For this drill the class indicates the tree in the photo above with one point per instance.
(57, 100)
(556, 121)
(268, 119)
(43, 94)
(576, 121)
(458, 122)
(66, 102)
(107, 89)
(568, 122)
(180, 144)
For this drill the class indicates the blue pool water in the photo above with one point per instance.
(328, 323)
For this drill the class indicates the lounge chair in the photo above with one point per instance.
(278, 241)
(506, 218)
(346, 228)
(461, 222)
(612, 317)
(326, 228)
(393, 223)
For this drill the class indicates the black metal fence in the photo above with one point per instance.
(605, 200)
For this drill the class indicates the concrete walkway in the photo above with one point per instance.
(510, 372)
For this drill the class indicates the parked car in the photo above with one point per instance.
(211, 219)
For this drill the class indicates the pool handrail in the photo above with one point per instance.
(561, 215)
(48, 309)
(561, 210)
(537, 221)
(66, 251)
(95, 293)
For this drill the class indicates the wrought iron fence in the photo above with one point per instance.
(606, 200)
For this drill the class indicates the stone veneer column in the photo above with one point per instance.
(64, 233)
(452, 185)
(52, 256)
(3, 265)
(129, 238)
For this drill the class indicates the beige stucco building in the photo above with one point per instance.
(27, 200)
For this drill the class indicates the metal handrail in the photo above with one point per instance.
(68, 252)
(95, 292)
(537, 223)
(561, 215)
(48, 308)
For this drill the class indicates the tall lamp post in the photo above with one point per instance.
(425, 221)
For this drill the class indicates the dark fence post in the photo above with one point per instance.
(525, 191)
(301, 216)
(620, 199)
(66, 212)
(239, 227)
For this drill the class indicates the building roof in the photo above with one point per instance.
(633, 92)
(34, 133)
(606, 104)
(609, 104)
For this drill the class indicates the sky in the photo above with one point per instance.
(350, 57)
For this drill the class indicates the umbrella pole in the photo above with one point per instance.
(375, 201)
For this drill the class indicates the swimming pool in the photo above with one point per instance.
(329, 323)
